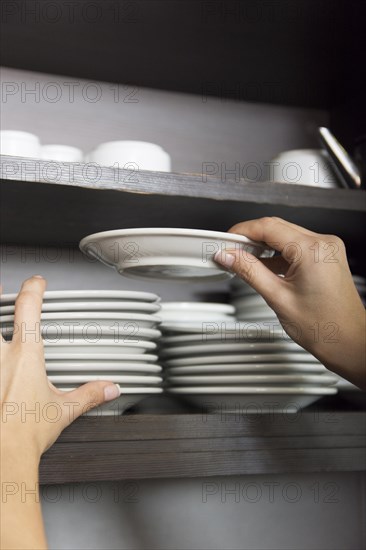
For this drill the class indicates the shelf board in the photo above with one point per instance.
(138, 446)
(61, 206)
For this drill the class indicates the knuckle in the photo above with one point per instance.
(267, 220)
(334, 239)
(93, 394)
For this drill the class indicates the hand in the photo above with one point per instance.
(33, 414)
(25, 387)
(316, 301)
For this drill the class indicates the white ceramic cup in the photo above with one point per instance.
(133, 155)
(303, 167)
(19, 144)
(61, 153)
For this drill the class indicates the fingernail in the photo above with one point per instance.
(112, 392)
(224, 259)
(37, 277)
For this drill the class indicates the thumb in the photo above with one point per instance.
(88, 396)
(252, 271)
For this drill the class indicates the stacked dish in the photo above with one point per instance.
(250, 306)
(177, 313)
(98, 335)
(233, 367)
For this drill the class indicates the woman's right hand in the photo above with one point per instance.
(316, 300)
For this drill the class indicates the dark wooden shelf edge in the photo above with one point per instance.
(192, 445)
(18, 169)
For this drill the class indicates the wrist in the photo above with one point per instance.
(19, 456)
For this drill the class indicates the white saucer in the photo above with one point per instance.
(74, 305)
(253, 390)
(220, 337)
(256, 368)
(101, 347)
(186, 316)
(191, 307)
(262, 401)
(143, 380)
(240, 359)
(60, 367)
(107, 358)
(229, 347)
(258, 379)
(89, 295)
(92, 331)
(248, 330)
(119, 319)
(130, 397)
(167, 253)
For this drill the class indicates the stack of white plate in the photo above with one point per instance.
(250, 306)
(178, 313)
(98, 335)
(233, 367)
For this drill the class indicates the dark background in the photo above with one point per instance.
(308, 53)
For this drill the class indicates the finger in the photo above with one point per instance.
(277, 235)
(252, 271)
(27, 312)
(88, 396)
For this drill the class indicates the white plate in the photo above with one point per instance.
(253, 390)
(89, 295)
(260, 380)
(101, 347)
(92, 331)
(108, 359)
(257, 368)
(229, 347)
(167, 253)
(220, 337)
(242, 403)
(115, 378)
(184, 316)
(240, 359)
(249, 330)
(74, 305)
(119, 319)
(60, 367)
(200, 307)
(129, 398)
(345, 385)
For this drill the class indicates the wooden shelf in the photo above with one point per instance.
(59, 207)
(141, 446)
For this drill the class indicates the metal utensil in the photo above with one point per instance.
(344, 166)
